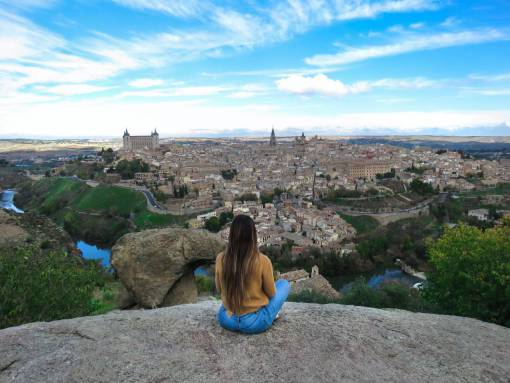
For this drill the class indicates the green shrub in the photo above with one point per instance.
(388, 295)
(205, 284)
(471, 273)
(361, 294)
(43, 287)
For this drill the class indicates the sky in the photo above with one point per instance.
(93, 68)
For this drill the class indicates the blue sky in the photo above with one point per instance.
(212, 68)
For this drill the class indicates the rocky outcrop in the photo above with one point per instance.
(301, 281)
(318, 285)
(309, 343)
(33, 230)
(156, 266)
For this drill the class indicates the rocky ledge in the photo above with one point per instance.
(309, 343)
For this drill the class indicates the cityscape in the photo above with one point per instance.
(254, 191)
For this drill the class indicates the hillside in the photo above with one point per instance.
(98, 214)
(309, 343)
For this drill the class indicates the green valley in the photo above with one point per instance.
(98, 214)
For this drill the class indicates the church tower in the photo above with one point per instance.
(272, 139)
(125, 140)
(155, 139)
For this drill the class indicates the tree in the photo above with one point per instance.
(127, 169)
(180, 191)
(229, 174)
(225, 217)
(420, 187)
(213, 224)
(108, 155)
(247, 197)
(266, 198)
(471, 273)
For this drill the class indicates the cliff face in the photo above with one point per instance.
(309, 343)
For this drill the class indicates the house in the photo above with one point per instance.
(480, 214)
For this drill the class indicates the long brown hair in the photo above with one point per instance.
(238, 260)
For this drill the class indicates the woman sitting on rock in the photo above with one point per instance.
(244, 276)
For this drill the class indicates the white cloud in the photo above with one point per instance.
(323, 85)
(178, 8)
(187, 91)
(318, 84)
(410, 44)
(491, 92)
(255, 25)
(28, 4)
(31, 55)
(491, 77)
(72, 89)
(22, 39)
(396, 29)
(100, 118)
(417, 25)
(146, 83)
(450, 22)
(405, 83)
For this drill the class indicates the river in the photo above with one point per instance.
(7, 201)
(375, 279)
(90, 251)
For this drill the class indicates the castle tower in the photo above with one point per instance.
(272, 139)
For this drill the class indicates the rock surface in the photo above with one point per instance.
(149, 263)
(309, 343)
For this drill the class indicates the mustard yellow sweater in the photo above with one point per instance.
(260, 284)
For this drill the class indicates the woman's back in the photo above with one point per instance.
(251, 298)
(260, 286)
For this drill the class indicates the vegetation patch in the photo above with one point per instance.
(362, 223)
(118, 200)
(47, 286)
(148, 220)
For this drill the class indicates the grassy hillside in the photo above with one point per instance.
(120, 200)
(362, 223)
(100, 215)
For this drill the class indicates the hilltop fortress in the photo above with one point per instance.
(131, 143)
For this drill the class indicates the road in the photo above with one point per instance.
(152, 201)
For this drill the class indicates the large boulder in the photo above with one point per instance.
(309, 343)
(152, 263)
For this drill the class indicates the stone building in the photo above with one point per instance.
(131, 143)
(301, 281)
(367, 169)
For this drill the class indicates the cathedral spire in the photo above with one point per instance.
(272, 139)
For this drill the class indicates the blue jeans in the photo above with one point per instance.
(260, 320)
